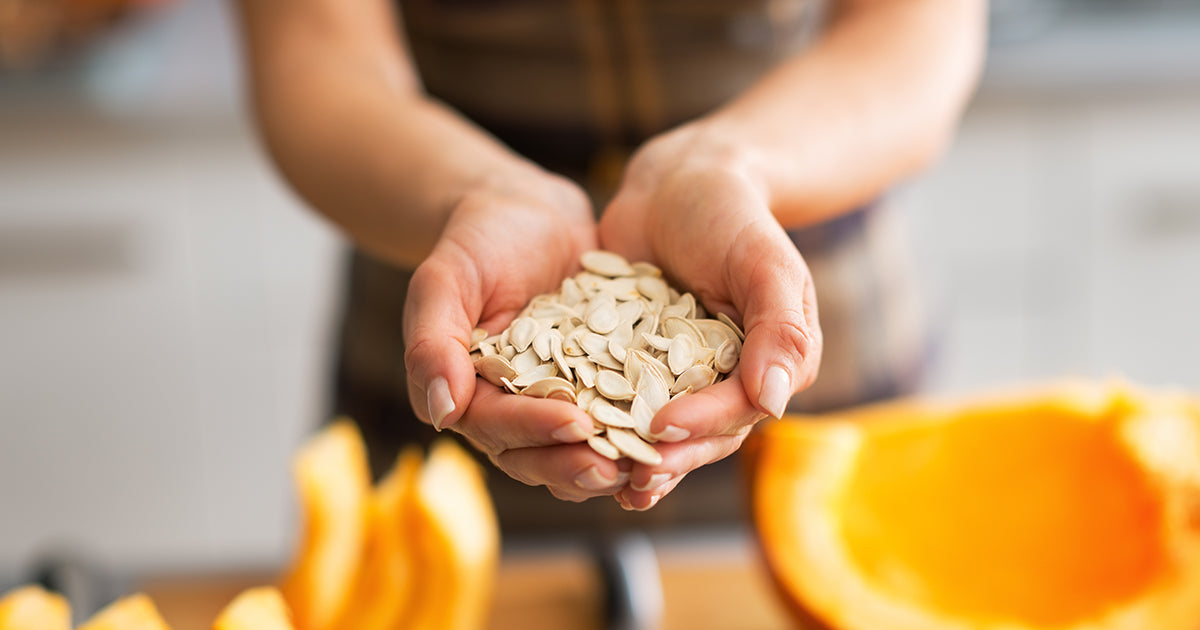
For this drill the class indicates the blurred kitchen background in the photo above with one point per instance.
(165, 302)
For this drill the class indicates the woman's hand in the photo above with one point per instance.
(695, 207)
(506, 241)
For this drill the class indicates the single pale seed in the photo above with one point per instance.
(493, 368)
(654, 288)
(478, 335)
(541, 345)
(645, 269)
(602, 315)
(509, 385)
(586, 371)
(585, 396)
(724, 319)
(525, 379)
(658, 342)
(569, 293)
(681, 355)
(654, 390)
(609, 415)
(560, 359)
(642, 415)
(606, 264)
(606, 360)
(633, 446)
(522, 332)
(593, 343)
(525, 361)
(551, 387)
(617, 350)
(630, 311)
(694, 379)
(673, 327)
(614, 386)
(726, 357)
(601, 445)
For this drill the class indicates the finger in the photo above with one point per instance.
(572, 472)
(499, 421)
(648, 484)
(782, 349)
(720, 409)
(643, 501)
(438, 318)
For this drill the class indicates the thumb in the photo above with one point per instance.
(437, 329)
(782, 350)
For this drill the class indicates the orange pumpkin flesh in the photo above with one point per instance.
(34, 608)
(135, 612)
(255, 609)
(457, 543)
(334, 483)
(1064, 509)
(379, 599)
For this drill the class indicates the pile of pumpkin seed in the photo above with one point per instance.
(617, 341)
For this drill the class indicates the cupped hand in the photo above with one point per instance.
(506, 241)
(695, 207)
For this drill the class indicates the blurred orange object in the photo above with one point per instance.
(1069, 508)
(33, 608)
(135, 612)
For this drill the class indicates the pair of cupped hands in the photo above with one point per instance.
(704, 217)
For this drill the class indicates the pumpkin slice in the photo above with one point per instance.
(34, 608)
(1076, 507)
(260, 608)
(333, 481)
(135, 612)
(457, 543)
(380, 597)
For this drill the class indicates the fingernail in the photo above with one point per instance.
(653, 502)
(655, 481)
(673, 434)
(569, 433)
(591, 479)
(622, 479)
(441, 404)
(775, 392)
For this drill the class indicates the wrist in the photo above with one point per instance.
(704, 148)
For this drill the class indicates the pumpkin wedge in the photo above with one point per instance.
(457, 543)
(380, 597)
(259, 608)
(34, 608)
(331, 475)
(135, 612)
(1072, 507)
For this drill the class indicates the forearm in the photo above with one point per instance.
(872, 102)
(348, 126)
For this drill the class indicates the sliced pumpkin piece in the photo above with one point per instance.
(260, 608)
(34, 608)
(333, 481)
(385, 580)
(458, 543)
(135, 612)
(1069, 508)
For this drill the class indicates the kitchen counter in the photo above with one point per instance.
(707, 584)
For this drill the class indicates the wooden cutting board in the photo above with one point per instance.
(711, 585)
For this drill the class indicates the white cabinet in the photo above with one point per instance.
(164, 325)
(1063, 233)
